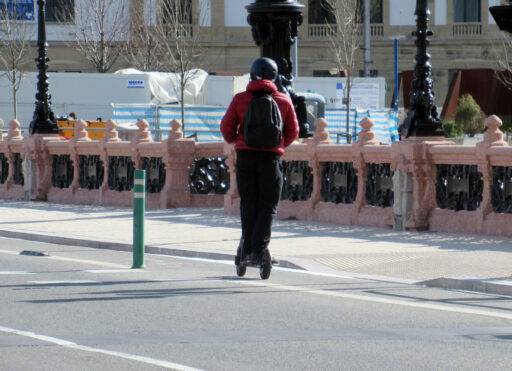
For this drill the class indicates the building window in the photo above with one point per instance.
(319, 12)
(467, 10)
(180, 10)
(20, 10)
(60, 11)
(375, 11)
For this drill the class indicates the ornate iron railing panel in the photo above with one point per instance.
(120, 173)
(209, 175)
(155, 174)
(18, 170)
(502, 189)
(459, 187)
(339, 182)
(91, 172)
(62, 171)
(379, 185)
(4, 168)
(297, 181)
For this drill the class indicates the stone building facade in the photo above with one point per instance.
(465, 37)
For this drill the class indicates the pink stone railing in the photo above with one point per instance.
(77, 171)
(418, 160)
(416, 183)
(317, 152)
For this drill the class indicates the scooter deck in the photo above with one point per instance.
(251, 265)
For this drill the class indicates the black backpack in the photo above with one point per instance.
(263, 124)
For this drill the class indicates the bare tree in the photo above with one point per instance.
(345, 37)
(100, 29)
(14, 45)
(504, 61)
(143, 49)
(180, 42)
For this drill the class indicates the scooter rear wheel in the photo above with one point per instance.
(240, 270)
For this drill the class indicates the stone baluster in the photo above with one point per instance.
(14, 130)
(176, 132)
(178, 157)
(81, 134)
(493, 137)
(321, 134)
(366, 137)
(143, 133)
(111, 133)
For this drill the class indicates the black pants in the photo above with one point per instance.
(260, 180)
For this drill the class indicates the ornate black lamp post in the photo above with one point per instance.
(503, 16)
(424, 120)
(274, 27)
(43, 121)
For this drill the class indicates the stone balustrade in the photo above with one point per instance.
(417, 183)
(430, 182)
(85, 171)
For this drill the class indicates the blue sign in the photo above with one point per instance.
(136, 84)
(20, 10)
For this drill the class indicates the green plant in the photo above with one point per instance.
(507, 126)
(469, 116)
(451, 130)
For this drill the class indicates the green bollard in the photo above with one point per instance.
(139, 206)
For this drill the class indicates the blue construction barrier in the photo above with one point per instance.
(204, 121)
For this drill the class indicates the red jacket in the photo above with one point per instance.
(231, 125)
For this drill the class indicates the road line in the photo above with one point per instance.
(10, 252)
(13, 273)
(405, 303)
(85, 261)
(71, 345)
(125, 270)
(73, 260)
(60, 282)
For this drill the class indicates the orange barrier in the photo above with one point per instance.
(95, 129)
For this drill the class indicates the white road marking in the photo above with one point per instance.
(13, 273)
(73, 260)
(405, 303)
(85, 261)
(125, 270)
(71, 345)
(10, 252)
(60, 282)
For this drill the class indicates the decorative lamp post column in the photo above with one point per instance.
(274, 27)
(424, 119)
(43, 121)
(503, 16)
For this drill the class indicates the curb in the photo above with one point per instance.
(487, 286)
(58, 240)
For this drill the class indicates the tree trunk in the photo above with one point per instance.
(14, 95)
(182, 102)
(349, 88)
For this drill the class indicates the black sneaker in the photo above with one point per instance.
(266, 264)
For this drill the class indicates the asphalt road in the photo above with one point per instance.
(83, 309)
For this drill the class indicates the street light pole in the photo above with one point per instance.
(424, 121)
(43, 121)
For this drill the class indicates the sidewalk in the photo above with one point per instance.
(436, 259)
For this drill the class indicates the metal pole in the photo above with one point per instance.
(295, 54)
(424, 121)
(139, 207)
(395, 48)
(367, 39)
(44, 120)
